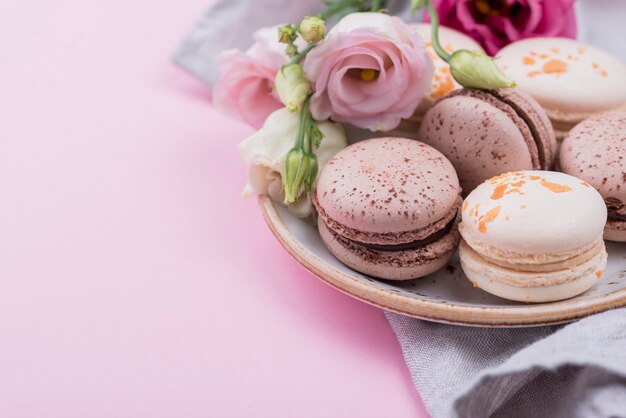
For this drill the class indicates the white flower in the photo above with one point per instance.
(265, 152)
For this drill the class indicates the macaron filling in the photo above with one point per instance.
(518, 276)
(390, 239)
(616, 209)
(409, 245)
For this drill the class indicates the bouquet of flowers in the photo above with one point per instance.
(354, 64)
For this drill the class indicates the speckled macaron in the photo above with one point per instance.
(486, 133)
(595, 151)
(570, 79)
(389, 208)
(533, 236)
(443, 82)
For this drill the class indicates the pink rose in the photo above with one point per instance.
(496, 23)
(245, 88)
(371, 71)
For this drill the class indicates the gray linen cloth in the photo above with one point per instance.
(576, 370)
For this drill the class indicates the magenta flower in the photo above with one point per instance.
(371, 71)
(496, 23)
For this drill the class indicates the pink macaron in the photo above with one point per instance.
(595, 151)
(389, 208)
(487, 133)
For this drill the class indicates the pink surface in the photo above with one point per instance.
(133, 280)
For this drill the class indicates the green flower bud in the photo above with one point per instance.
(475, 69)
(312, 172)
(312, 29)
(291, 50)
(292, 86)
(286, 34)
(296, 170)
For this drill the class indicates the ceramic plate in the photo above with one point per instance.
(445, 296)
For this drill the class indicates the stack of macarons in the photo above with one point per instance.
(392, 207)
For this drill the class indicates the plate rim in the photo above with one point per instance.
(524, 316)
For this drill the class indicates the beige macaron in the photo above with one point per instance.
(571, 80)
(533, 236)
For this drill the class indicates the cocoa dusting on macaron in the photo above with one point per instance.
(389, 207)
(595, 151)
(486, 133)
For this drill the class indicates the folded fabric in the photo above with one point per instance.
(576, 370)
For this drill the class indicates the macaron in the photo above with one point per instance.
(443, 82)
(533, 236)
(486, 133)
(595, 151)
(389, 208)
(570, 79)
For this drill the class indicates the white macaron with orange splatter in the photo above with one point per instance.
(571, 80)
(533, 236)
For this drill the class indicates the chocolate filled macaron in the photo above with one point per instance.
(389, 208)
(486, 133)
(595, 151)
(533, 236)
(571, 80)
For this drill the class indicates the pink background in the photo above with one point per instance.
(133, 279)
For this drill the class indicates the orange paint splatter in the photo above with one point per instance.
(556, 51)
(506, 218)
(518, 184)
(554, 66)
(543, 56)
(490, 216)
(581, 50)
(555, 187)
(498, 192)
(584, 183)
(518, 191)
(599, 273)
(535, 177)
(465, 205)
(445, 70)
(448, 48)
(533, 73)
(444, 87)
(533, 53)
(528, 61)
(595, 65)
(603, 73)
(522, 207)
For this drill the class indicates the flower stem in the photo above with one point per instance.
(302, 124)
(434, 22)
(304, 137)
(300, 55)
(376, 5)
